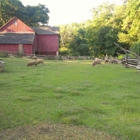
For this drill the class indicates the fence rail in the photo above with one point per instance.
(129, 62)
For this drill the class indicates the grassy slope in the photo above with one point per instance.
(105, 98)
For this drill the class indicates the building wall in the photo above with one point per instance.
(28, 49)
(47, 44)
(13, 49)
(10, 48)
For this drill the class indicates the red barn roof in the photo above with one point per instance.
(16, 25)
(16, 32)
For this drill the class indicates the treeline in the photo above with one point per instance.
(110, 23)
(31, 15)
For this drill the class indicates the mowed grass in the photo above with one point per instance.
(105, 99)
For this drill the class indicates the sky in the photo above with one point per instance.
(68, 11)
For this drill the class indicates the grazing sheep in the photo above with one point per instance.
(34, 57)
(97, 61)
(106, 60)
(113, 61)
(2, 64)
(38, 61)
(31, 63)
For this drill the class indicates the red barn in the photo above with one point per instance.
(16, 36)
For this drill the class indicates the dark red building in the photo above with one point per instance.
(16, 36)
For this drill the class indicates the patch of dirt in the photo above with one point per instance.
(54, 132)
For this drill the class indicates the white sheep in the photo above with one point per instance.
(97, 61)
(31, 63)
(34, 57)
(38, 61)
(2, 64)
(113, 61)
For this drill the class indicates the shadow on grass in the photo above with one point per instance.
(54, 132)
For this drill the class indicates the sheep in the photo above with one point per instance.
(113, 61)
(38, 61)
(34, 57)
(97, 61)
(2, 64)
(106, 60)
(31, 63)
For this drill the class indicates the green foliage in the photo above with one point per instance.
(63, 51)
(131, 24)
(95, 36)
(31, 15)
(83, 49)
(136, 48)
(36, 15)
(110, 24)
(15, 8)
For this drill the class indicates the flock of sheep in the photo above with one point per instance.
(35, 61)
(96, 61)
(111, 60)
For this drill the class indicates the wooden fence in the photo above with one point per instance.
(131, 60)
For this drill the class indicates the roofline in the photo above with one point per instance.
(17, 32)
(8, 22)
(47, 34)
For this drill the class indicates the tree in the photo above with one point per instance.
(106, 28)
(79, 44)
(9, 9)
(31, 15)
(36, 15)
(131, 24)
(110, 24)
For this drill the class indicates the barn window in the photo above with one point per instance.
(15, 23)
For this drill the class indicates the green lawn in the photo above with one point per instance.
(106, 99)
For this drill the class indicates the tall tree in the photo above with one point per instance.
(36, 15)
(106, 31)
(79, 44)
(9, 9)
(131, 24)
(31, 15)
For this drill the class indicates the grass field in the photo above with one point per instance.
(69, 100)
